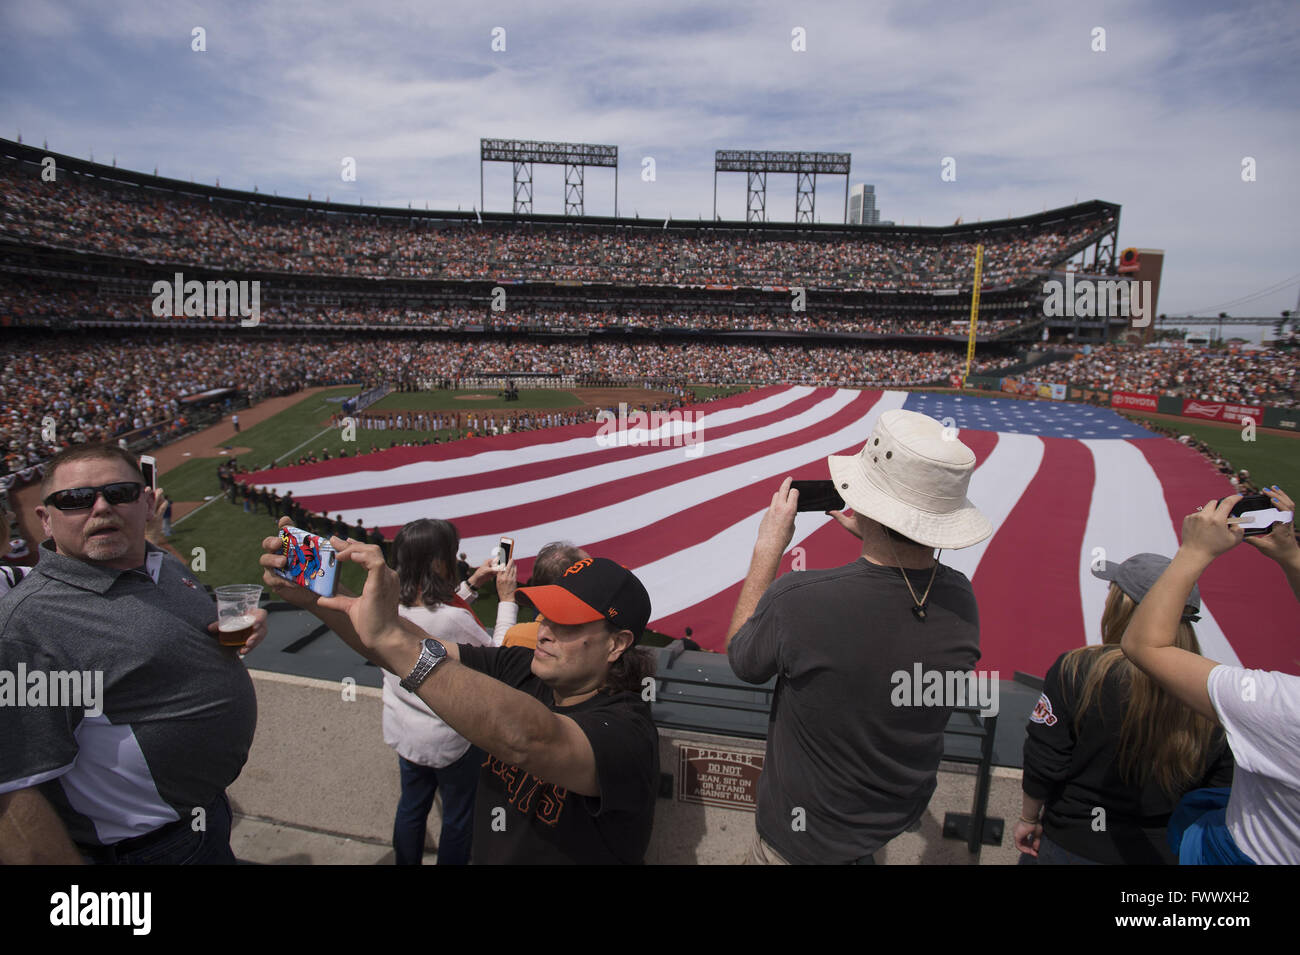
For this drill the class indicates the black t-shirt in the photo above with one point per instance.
(520, 819)
(1075, 771)
(846, 750)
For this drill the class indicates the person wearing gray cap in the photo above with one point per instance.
(851, 763)
(1259, 821)
(1108, 753)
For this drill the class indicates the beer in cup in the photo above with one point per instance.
(235, 606)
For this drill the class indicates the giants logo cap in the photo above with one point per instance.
(594, 588)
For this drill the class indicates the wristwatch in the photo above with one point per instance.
(431, 654)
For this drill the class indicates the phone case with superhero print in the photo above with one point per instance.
(312, 562)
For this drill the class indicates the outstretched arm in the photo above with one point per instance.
(1148, 641)
(509, 724)
(774, 536)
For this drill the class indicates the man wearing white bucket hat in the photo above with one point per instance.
(853, 755)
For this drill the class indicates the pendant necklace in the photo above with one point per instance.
(918, 606)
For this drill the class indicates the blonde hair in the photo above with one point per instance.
(1161, 740)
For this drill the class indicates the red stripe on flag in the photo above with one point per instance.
(1027, 583)
(1246, 591)
(688, 527)
(378, 496)
(453, 450)
(707, 620)
(828, 546)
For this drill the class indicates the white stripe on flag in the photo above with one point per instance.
(501, 462)
(633, 514)
(503, 498)
(483, 500)
(699, 572)
(996, 488)
(1128, 515)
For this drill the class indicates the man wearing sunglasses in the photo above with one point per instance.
(132, 720)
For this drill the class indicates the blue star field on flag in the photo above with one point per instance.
(1013, 416)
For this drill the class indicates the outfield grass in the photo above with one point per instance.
(232, 544)
(705, 392)
(462, 400)
(196, 479)
(1270, 458)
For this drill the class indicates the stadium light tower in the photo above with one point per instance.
(805, 166)
(522, 153)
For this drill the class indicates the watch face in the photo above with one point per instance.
(434, 647)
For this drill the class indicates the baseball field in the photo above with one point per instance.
(223, 542)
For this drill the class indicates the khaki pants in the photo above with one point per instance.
(762, 853)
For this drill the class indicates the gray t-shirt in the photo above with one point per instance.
(178, 709)
(846, 770)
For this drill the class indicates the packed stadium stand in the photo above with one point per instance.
(417, 299)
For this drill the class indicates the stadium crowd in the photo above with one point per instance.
(102, 386)
(98, 216)
(1142, 723)
(1266, 376)
(26, 302)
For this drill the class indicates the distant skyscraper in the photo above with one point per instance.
(862, 205)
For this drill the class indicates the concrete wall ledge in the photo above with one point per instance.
(320, 786)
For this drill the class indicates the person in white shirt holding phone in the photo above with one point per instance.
(1258, 709)
(431, 755)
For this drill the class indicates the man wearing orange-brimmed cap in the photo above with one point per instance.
(573, 754)
(851, 760)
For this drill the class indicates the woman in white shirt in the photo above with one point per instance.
(1259, 710)
(432, 756)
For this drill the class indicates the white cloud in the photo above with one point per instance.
(1158, 123)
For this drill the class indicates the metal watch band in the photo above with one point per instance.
(429, 658)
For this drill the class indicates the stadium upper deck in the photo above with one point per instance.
(102, 210)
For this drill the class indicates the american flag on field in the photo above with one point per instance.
(1058, 481)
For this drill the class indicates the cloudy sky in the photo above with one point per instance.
(1034, 117)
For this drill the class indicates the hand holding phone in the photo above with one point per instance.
(1256, 514)
(818, 496)
(310, 561)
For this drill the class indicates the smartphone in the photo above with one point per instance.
(1262, 513)
(149, 465)
(507, 549)
(818, 496)
(311, 563)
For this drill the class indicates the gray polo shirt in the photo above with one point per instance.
(174, 721)
(847, 767)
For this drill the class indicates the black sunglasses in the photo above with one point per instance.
(80, 498)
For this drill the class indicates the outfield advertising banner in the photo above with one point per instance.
(1090, 395)
(1033, 389)
(1221, 411)
(1170, 404)
(1286, 418)
(1132, 401)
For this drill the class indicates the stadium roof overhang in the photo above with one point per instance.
(22, 152)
